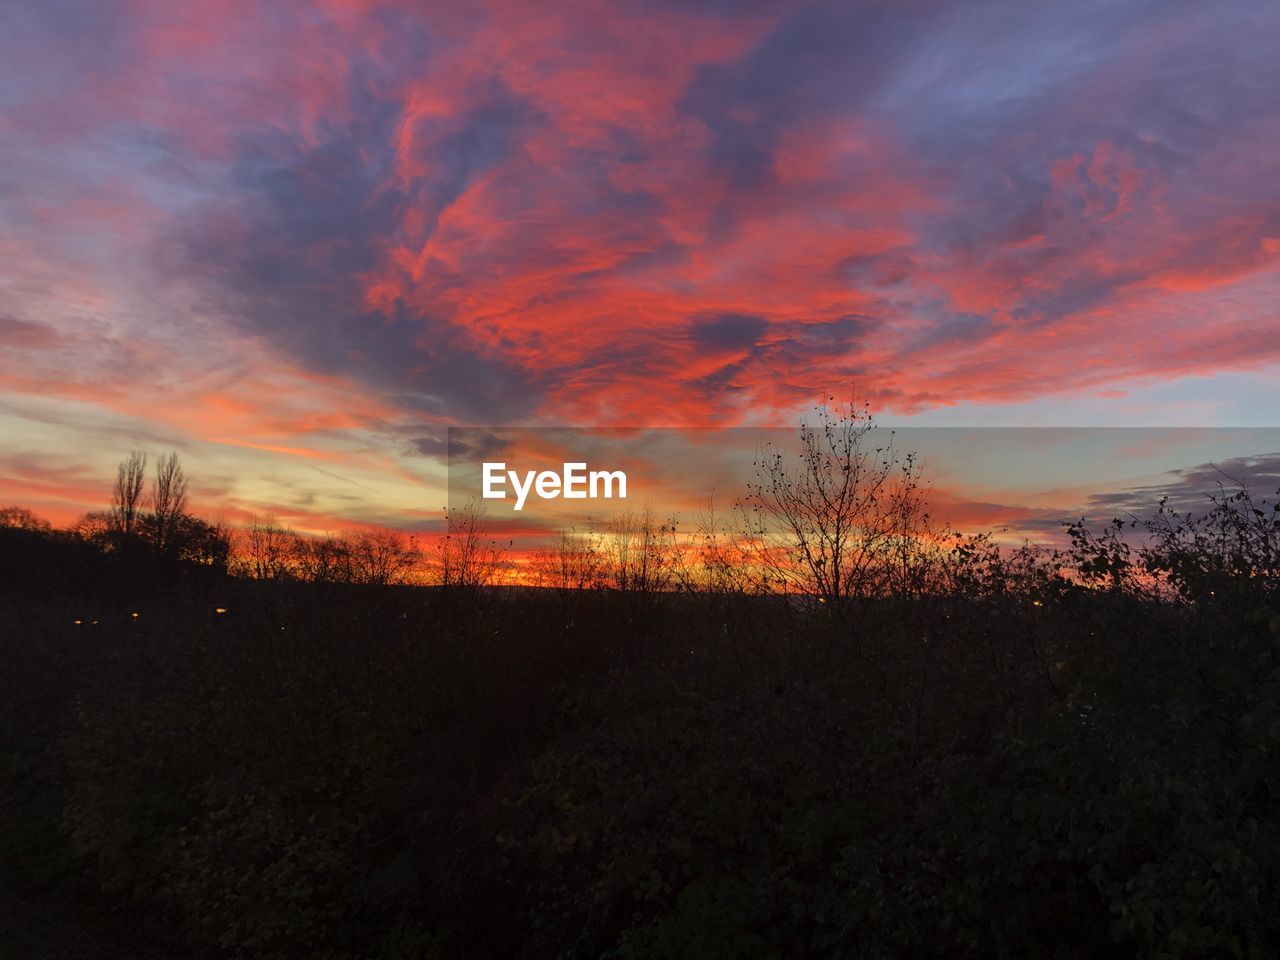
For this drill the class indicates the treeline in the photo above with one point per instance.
(146, 539)
(266, 550)
(842, 521)
(149, 537)
(152, 523)
(845, 521)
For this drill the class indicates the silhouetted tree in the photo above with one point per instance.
(321, 559)
(572, 563)
(265, 550)
(197, 542)
(168, 502)
(20, 518)
(126, 496)
(716, 563)
(379, 557)
(841, 519)
(467, 556)
(95, 527)
(640, 554)
(1229, 552)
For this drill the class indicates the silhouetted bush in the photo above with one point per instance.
(1057, 754)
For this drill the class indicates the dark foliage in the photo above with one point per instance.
(1025, 763)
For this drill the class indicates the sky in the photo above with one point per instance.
(297, 242)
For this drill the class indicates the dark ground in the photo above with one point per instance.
(404, 772)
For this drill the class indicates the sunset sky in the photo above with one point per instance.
(296, 242)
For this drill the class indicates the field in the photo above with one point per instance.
(256, 769)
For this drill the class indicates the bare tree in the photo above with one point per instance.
(95, 527)
(265, 550)
(640, 554)
(716, 563)
(168, 501)
(20, 518)
(573, 561)
(840, 520)
(321, 559)
(570, 564)
(380, 557)
(467, 556)
(126, 497)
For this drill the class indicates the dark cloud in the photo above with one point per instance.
(287, 263)
(1190, 490)
(462, 443)
(727, 332)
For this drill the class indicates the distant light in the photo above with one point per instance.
(135, 615)
(77, 622)
(95, 622)
(219, 609)
(1036, 603)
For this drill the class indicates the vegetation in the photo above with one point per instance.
(948, 749)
